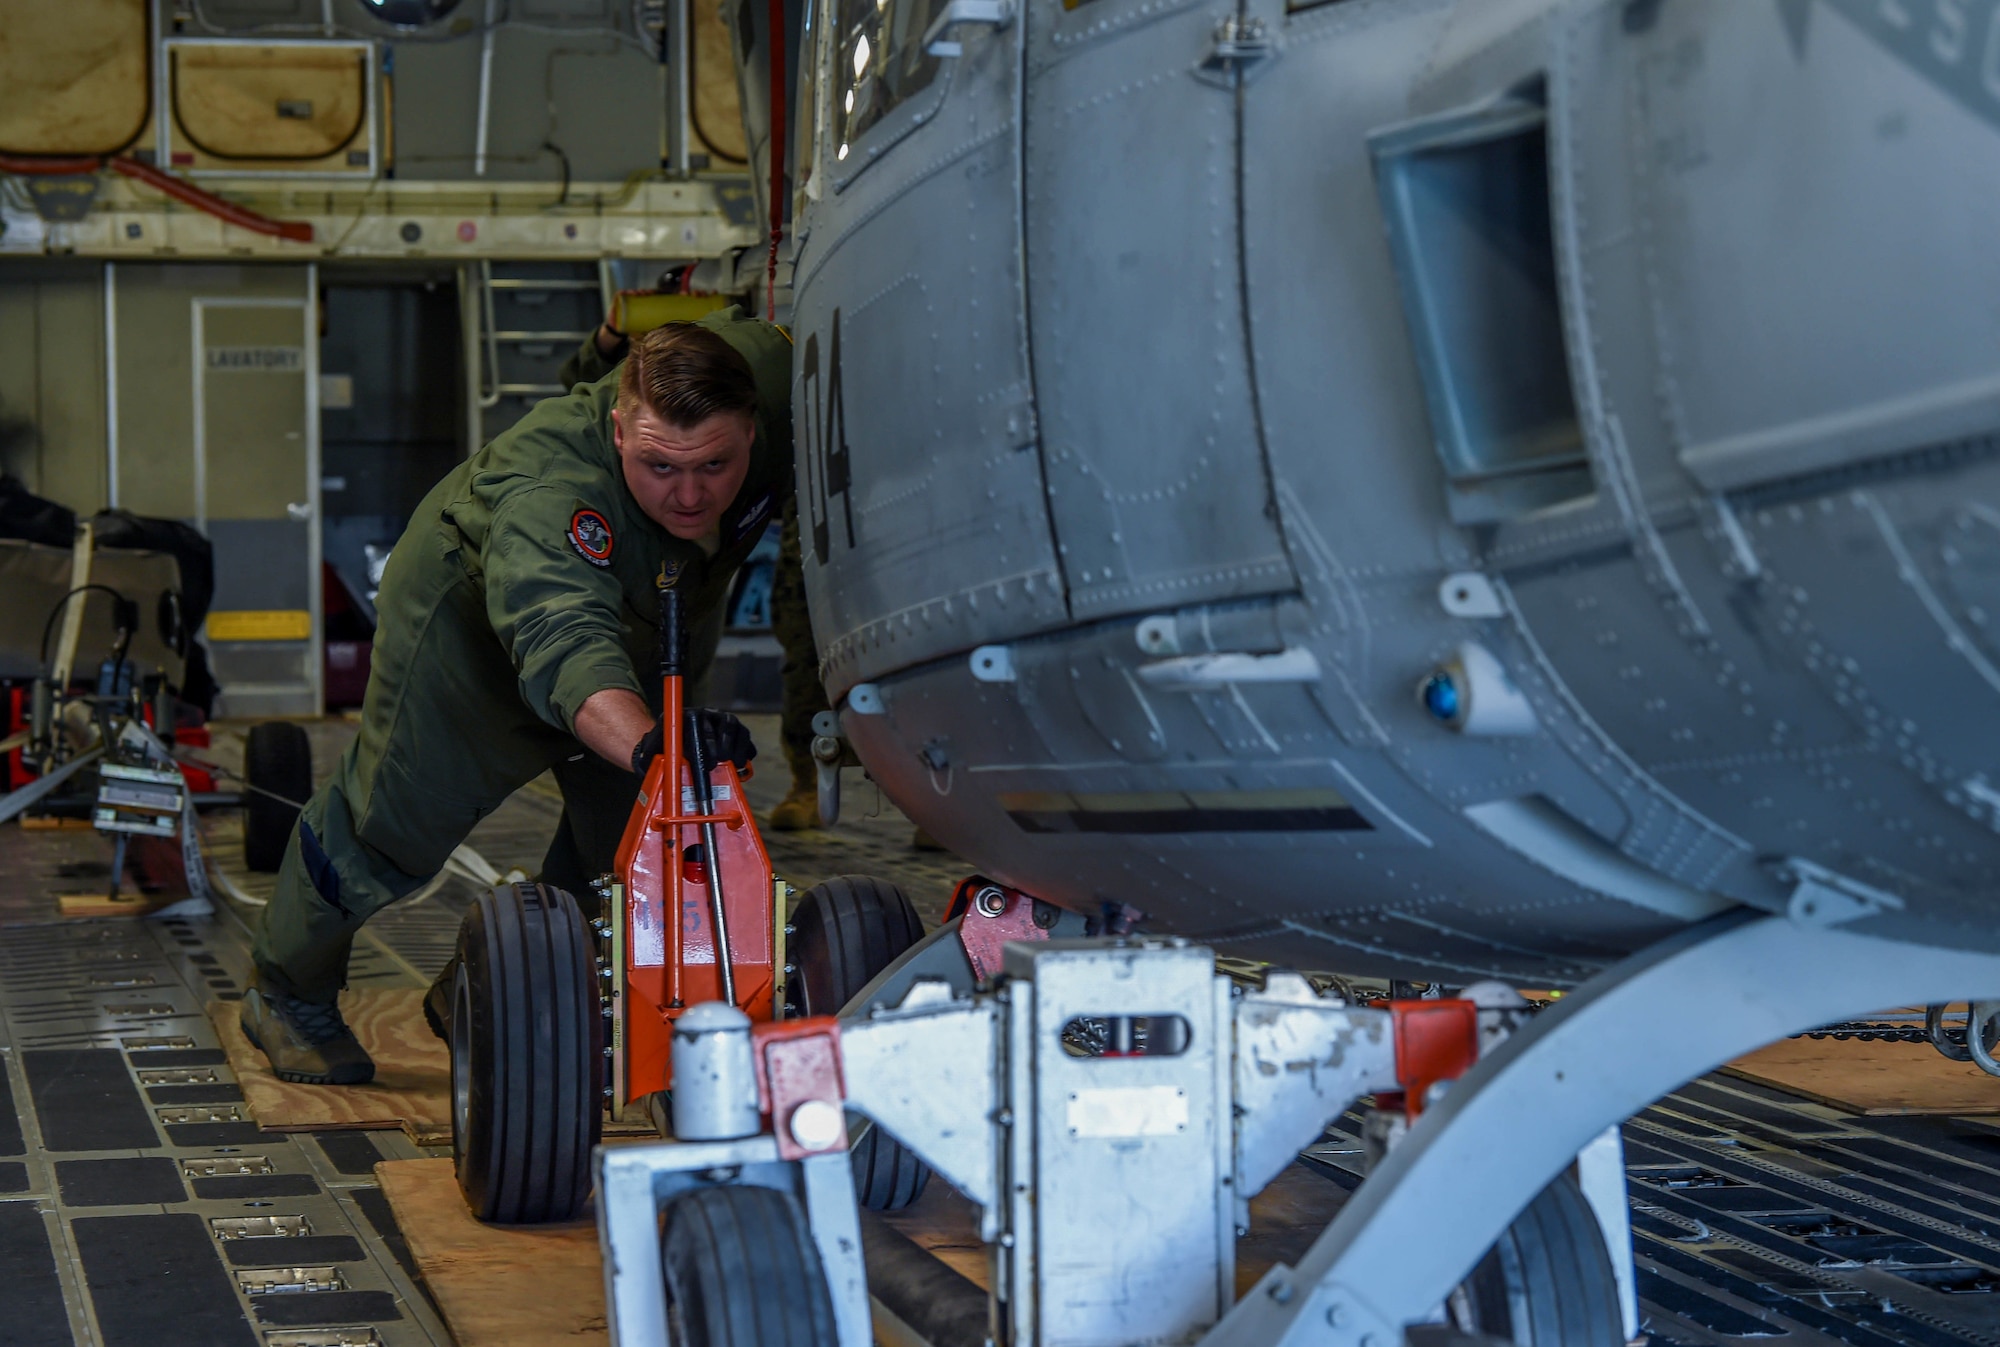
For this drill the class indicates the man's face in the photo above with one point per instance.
(683, 478)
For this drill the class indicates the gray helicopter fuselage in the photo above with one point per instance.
(1446, 487)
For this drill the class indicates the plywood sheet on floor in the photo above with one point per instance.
(505, 1285)
(412, 1085)
(948, 1226)
(1284, 1221)
(1875, 1079)
(498, 1286)
(129, 903)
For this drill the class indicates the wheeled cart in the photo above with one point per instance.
(563, 1007)
(1111, 1106)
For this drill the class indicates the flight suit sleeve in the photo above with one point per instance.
(587, 364)
(555, 602)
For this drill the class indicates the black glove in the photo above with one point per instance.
(722, 735)
(723, 738)
(650, 744)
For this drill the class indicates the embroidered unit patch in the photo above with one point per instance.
(590, 535)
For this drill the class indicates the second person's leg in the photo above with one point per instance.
(803, 697)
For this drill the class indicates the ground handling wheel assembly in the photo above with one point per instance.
(1547, 1282)
(562, 1015)
(691, 990)
(526, 1056)
(741, 1270)
(842, 934)
(278, 779)
(1108, 1108)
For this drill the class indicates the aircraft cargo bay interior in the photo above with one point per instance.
(999, 673)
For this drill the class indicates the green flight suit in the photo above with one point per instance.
(803, 695)
(527, 581)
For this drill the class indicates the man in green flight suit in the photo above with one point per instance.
(518, 633)
(803, 696)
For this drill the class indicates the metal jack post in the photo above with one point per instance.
(704, 807)
(827, 749)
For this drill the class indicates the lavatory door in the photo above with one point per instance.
(256, 484)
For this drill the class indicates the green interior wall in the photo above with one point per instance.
(156, 372)
(52, 377)
(52, 374)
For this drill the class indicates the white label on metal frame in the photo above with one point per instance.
(1128, 1111)
(718, 792)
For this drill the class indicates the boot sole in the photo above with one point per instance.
(298, 1077)
(304, 1078)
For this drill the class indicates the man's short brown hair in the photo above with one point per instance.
(686, 373)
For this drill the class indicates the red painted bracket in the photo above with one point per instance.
(798, 1064)
(994, 915)
(1435, 1040)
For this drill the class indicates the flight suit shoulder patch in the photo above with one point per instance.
(590, 534)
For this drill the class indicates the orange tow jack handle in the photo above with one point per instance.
(673, 654)
(678, 731)
(673, 659)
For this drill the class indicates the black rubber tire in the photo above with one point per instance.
(277, 767)
(742, 1271)
(844, 932)
(1552, 1267)
(526, 1056)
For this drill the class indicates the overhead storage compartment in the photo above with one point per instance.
(73, 76)
(715, 102)
(284, 107)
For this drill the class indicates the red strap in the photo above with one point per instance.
(29, 166)
(298, 231)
